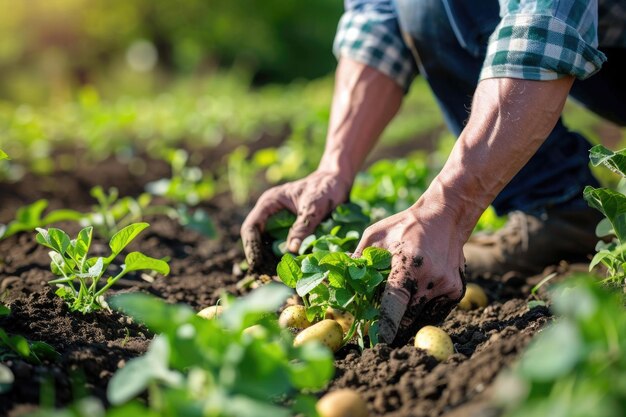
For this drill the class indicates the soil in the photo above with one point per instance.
(395, 381)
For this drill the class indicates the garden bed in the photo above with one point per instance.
(395, 381)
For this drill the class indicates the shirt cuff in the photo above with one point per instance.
(539, 47)
(374, 39)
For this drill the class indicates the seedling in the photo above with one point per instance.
(187, 186)
(613, 205)
(79, 275)
(238, 364)
(339, 233)
(327, 280)
(30, 217)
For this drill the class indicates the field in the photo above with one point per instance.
(393, 381)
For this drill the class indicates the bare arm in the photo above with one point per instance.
(510, 119)
(364, 102)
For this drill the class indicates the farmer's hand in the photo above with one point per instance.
(426, 279)
(311, 198)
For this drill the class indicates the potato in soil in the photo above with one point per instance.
(211, 312)
(327, 332)
(294, 316)
(474, 298)
(434, 341)
(341, 403)
(344, 318)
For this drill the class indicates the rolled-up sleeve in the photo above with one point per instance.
(369, 33)
(544, 40)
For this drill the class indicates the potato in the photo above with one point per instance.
(256, 330)
(344, 318)
(474, 298)
(434, 341)
(341, 403)
(294, 316)
(211, 312)
(328, 332)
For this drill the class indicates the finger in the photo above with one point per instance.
(398, 292)
(309, 217)
(270, 203)
(368, 239)
(251, 238)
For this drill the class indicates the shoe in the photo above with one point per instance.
(528, 243)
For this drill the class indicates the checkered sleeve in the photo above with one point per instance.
(373, 37)
(542, 40)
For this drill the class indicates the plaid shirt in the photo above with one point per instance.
(535, 40)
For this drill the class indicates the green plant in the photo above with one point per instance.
(79, 275)
(340, 232)
(219, 367)
(28, 218)
(611, 203)
(19, 346)
(335, 280)
(576, 366)
(188, 185)
(113, 213)
(3, 155)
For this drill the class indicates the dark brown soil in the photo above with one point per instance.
(395, 381)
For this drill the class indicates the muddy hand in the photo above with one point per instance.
(311, 198)
(426, 279)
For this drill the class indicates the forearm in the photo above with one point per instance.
(510, 120)
(364, 102)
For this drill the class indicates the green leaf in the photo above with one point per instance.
(555, 352)
(136, 261)
(349, 213)
(136, 376)
(306, 284)
(44, 350)
(339, 259)
(604, 228)
(122, 238)
(307, 243)
(310, 265)
(612, 204)
(3, 155)
(55, 239)
(246, 310)
(356, 272)
(288, 270)
(17, 344)
(377, 258)
(30, 215)
(344, 297)
(4, 310)
(199, 220)
(155, 313)
(278, 225)
(615, 161)
(313, 368)
(62, 215)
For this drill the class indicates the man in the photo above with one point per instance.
(513, 64)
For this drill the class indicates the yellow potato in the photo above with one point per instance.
(256, 331)
(474, 298)
(344, 318)
(434, 341)
(327, 332)
(294, 316)
(211, 312)
(341, 403)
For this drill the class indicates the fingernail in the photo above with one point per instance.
(294, 245)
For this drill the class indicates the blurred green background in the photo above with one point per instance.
(114, 77)
(48, 48)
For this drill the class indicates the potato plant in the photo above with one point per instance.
(80, 275)
(240, 364)
(575, 367)
(340, 232)
(612, 203)
(30, 217)
(334, 280)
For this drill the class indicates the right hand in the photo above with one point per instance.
(311, 199)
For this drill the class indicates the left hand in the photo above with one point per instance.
(427, 270)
